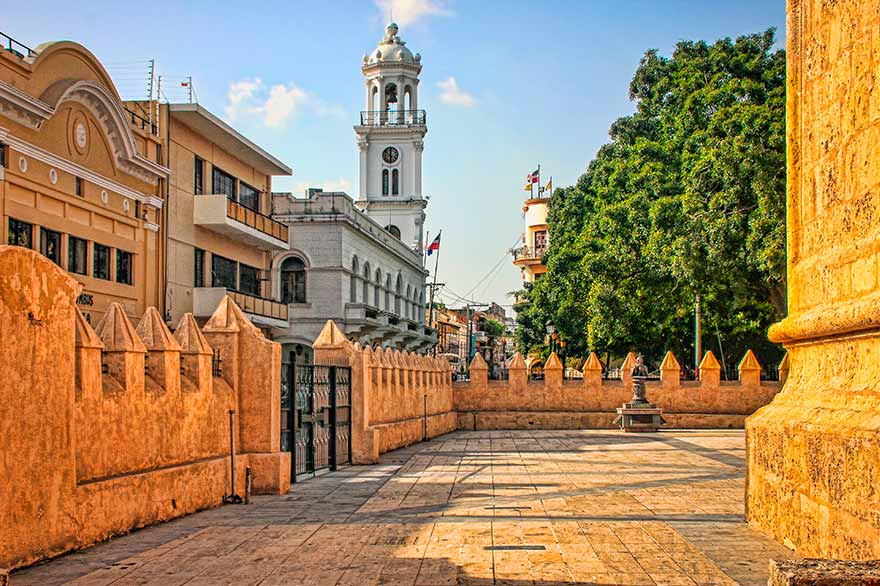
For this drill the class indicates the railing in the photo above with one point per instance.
(393, 117)
(528, 253)
(259, 305)
(256, 220)
(140, 122)
(19, 49)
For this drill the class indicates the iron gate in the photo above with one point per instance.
(315, 418)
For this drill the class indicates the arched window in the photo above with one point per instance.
(407, 98)
(397, 291)
(393, 230)
(353, 293)
(391, 96)
(407, 304)
(388, 292)
(421, 305)
(395, 182)
(366, 284)
(384, 181)
(293, 280)
(378, 291)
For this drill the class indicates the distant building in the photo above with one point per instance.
(529, 255)
(343, 265)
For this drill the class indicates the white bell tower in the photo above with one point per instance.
(390, 139)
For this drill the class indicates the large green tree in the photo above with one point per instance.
(686, 199)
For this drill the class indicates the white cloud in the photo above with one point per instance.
(450, 93)
(405, 12)
(340, 184)
(238, 95)
(274, 106)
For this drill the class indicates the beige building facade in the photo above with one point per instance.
(221, 237)
(82, 177)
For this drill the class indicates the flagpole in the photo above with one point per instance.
(434, 288)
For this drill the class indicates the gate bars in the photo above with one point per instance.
(316, 418)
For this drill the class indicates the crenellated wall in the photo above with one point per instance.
(398, 398)
(591, 403)
(108, 429)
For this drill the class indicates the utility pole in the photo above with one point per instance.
(698, 339)
(434, 286)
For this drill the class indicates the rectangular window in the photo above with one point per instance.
(199, 175)
(101, 269)
(123, 267)
(21, 234)
(541, 241)
(79, 187)
(248, 197)
(77, 250)
(3, 155)
(50, 245)
(222, 182)
(199, 268)
(248, 280)
(223, 272)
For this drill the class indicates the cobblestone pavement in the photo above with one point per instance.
(478, 508)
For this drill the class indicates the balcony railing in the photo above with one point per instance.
(528, 253)
(20, 50)
(140, 122)
(256, 220)
(259, 305)
(393, 118)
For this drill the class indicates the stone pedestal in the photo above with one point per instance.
(639, 417)
(813, 452)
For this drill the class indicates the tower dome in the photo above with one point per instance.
(391, 49)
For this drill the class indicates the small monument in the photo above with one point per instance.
(639, 414)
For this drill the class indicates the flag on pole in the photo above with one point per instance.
(549, 186)
(435, 245)
(534, 176)
(528, 186)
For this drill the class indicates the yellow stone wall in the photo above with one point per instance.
(814, 452)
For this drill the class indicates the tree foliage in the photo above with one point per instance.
(686, 199)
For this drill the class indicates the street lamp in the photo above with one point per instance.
(551, 335)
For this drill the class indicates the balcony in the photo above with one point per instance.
(527, 255)
(261, 311)
(393, 118)
(220, 214)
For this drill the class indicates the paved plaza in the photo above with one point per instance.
(479, 508)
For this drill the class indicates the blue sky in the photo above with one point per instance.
(507, 86)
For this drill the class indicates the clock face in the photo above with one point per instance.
(390, 155)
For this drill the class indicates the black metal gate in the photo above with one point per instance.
(315, 418)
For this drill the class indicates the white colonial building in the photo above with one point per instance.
(360, 263)
(344, 266)
(390, 139)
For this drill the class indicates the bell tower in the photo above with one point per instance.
(390, 140)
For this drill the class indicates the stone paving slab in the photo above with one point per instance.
(487, 508)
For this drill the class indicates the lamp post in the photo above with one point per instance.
(551, 335)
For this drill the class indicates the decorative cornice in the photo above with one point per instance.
(22, 107)
(391, 130)
(32, 112)
(54, 160)
(112, 118)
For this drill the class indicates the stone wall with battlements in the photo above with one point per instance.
(398, 398)
(121, 426)
(591, 403)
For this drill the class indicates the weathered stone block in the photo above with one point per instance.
(816, 572)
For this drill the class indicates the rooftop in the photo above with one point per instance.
(226, 137)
